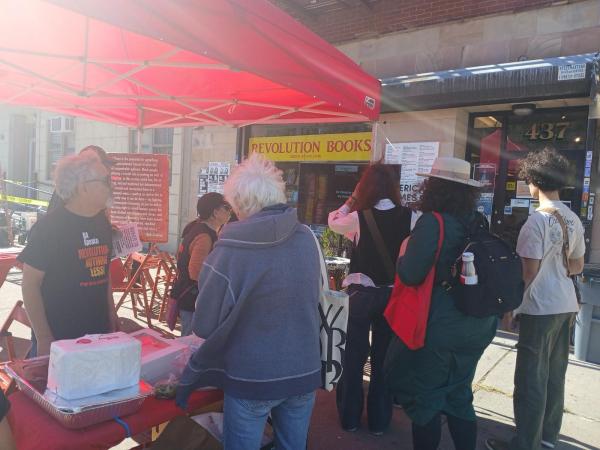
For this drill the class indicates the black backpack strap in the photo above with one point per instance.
(388, 264)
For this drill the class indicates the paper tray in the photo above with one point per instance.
(31, 376)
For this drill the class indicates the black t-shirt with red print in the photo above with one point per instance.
(74, 253)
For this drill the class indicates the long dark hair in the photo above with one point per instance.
(379, 181)
(450, 197)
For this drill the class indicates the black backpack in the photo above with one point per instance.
(500, 284)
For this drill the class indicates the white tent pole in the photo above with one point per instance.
(140, 129)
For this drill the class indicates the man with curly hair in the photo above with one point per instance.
(549, 304)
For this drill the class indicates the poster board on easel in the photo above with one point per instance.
(140, 184)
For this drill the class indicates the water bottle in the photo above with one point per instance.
(468, 275)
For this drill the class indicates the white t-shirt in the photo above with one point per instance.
(541, 237)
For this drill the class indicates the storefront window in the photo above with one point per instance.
(324, 188)
(321, 166)
(501, 140)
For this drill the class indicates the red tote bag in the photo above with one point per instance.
(408, 307)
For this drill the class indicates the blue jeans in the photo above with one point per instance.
(186, 322)
(244, 422)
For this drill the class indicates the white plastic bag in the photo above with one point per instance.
(93, 364)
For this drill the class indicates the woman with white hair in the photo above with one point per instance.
(257, 308)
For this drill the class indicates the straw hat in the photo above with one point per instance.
(452, 169)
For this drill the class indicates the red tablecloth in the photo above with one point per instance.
(7, 261)
(33, 429)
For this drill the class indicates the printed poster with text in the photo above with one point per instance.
(414, 157)
(141, 194)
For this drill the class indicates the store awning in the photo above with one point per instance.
(512, 82)
(171, 63)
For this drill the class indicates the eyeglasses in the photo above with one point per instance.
(226, 207)
(104, 180)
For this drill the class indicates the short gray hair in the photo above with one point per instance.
(72, 170)
(255, 184)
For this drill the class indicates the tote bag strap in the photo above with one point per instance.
(440, 220)
(321, 260)
(563, 225)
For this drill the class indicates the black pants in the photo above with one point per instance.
(428, 436)
(366, 315)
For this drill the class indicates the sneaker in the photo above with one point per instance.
(351, 430)
(495, 444)
(547, 444)
(376, 433)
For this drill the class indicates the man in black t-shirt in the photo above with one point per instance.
(104, 158)
(66, 286)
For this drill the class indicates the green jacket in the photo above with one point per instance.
(438, 377)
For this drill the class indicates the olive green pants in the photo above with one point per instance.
(542, 360)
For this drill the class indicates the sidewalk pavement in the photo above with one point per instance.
(493, 403)
(493, 398)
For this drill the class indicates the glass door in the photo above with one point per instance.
(502, 139)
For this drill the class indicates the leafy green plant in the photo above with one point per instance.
(334, 244)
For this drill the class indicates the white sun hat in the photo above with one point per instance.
(452, 169)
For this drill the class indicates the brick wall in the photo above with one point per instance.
(345, 21)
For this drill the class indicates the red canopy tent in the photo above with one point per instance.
(172, 63)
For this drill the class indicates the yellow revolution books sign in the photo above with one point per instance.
(314, 147)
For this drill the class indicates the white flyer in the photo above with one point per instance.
(414, 157)
(126, 240)
(218, 172)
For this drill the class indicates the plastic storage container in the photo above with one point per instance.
(587, 326)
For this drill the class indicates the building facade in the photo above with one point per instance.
(32, 142)
(451, 72)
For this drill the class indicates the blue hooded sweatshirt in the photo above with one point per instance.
(257, 308)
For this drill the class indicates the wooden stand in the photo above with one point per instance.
(141, 281)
